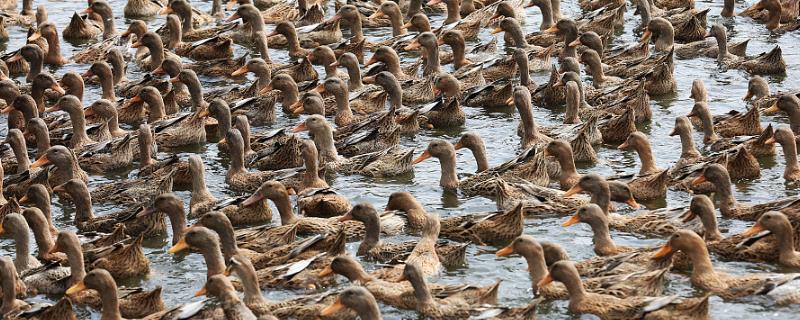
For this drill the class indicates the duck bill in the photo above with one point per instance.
(632, 203)
(545, 281)
(697, 181)
(333, 308)
(336, 17)
(413, 45)
(623, 146)
(752, 9)
(136, 99)
(125, 34)
(35, 36)
(253, 199)
(159, 71)
(335, 64)
(167, 10)
(436, 92)
(575, 43)
(228, 271)
(368, 80)
(551, 30)
(372, 60)
(327, 272)
(572, 220)
(57, 88)
(43, 161)
(178, 247)
(233, 17)
(78, 287)
(756, 228)
(510, 101)
(203, 113)
(222, 141)
(497, 30)
(347, 216)
(175, 80)
(319, 89)
(200, 292)
(300, 128)
(646, 37)
(663, 252)
(376, 15)
(8, 109)
(239, 71)
(88, 112)
(507, 251)
(15, 58)
(23, 200)
(231, 4)
(575, 189)
(674, 132)
(297, 104)
(88, 10)
(458, 145)
(688, 216)
(433, 2)
(146, 212)
(748, 96)
(773, 108)
(439, 41)
(422, 157)
(298, 108)
(136, 44)
(770, 140)
(408, 25)
(266, 89)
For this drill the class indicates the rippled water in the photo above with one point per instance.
(182, 275)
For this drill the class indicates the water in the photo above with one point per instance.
(181, 276)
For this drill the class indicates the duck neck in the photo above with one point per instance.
(575, 288)
(644, 12)
(459, 55)
(570, 35)
(156, 109)
(343, 111)
(356, 31)
(110, 305)
(43, 238)
(546, 7)
(284, 207)
(36, 65)
(107, 85)
(21, 154)
(54, 49)
(727, 200)
(397, 25)
(568, 170)
(42, 142)
(83, 208)
(252, 291)
(216, 8)
(524, 72)
(790, 154)
(145, 153)
(688, 148)
(449, 179)
(292, 43)
(709, 135)
(290, 94)
(177, 220)
(372, 226)
(453, 12)
(727, 9)
(421, 292)
(9, 285)
(701, 263)
(355, 82)
(79, 135)
(529, 128)
(432, 65)
(76, 265)
(395, 96)
(794, 119)
(537, 268)
(665, 40)
(109, 29)
(237, 160)
(479, 152)
(22, 244)
(326, 145)
(224, 120)
(228, 240)
(414, 7)
(187, 21)
(572, 112)
(646, 157)
(156, 56)
(199, 188)
(785, 237)
(311, 175)
(518, 36)
(214, 260)
(598, 75)
(722, 45)
(710, 228)
(603, 244)
(602, 197)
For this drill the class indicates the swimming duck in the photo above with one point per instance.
(790, 104)
(190, 19)
(141, 8)
(607, 306)
(66, 165)
(81, 28)
(729, 207)
(155, 47)
(721, 284)
(778, 224)
(357, 299)
(650, 182)
(14, 225)
(210, 48)
(785, 137)
(621, 286)
(427, 304)
(206, 242)
(780, 17)
(38, 197)
(10, 301)
(738, 124)
(221, 288)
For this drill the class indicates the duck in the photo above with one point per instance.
(65, 163)
(428, 305)
(621, 286)
(82, 28)
(607, 306)
(221, 288)
(156, 48)
(38, 197)
(86, 221)
(729, 207)
(101, 281)
(279, 195)
(786, 138)
(650, 182)
(207, 243)
(780, 17)
(203, 202)
(210, 48)
(10, 301)
(141, 8)
(778, 224)
(17, 161)
(49, 32)
(14, 224)
(190, 19)
(357, 299)
(725, 285)
(790, 104)
(738, 124)
(309, 36)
